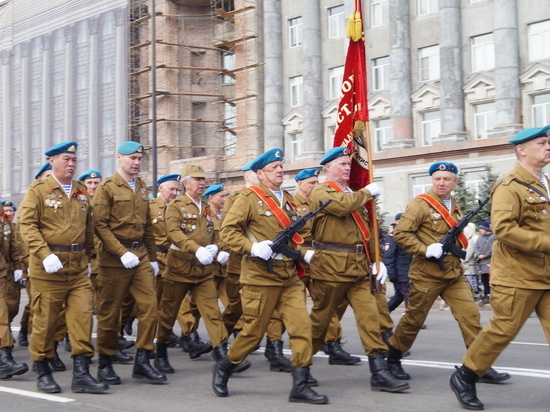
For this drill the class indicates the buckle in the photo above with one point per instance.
(135, 245)
(359, 249)
(74, 247)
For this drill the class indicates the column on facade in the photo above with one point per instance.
(273, 75)
(26, 146)
(121, 75)
(312, 66)
(93, 100)
(46, 111)
(400, 76)
(451, 84)
(68, 107)
(7, 125)
(507, 85)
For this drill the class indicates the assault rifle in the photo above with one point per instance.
(280, 243)
(449, 240)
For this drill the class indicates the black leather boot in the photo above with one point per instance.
(382, 379)
(196, 347)
(23, 337)
(143, 369)
(268, 353)
(338, 356)
(121, 358)
(277, 361)
(492, 376)
(8, 367)
(173, 340)
(45, 382)
(128, 328)
(124, 343)
(68, 345)
(394, 364)
(220, 352)
(105, 371)
(463, 384)
(161, 361)
(301, 392)
(55, 362)
(83, 382)
(220, 375)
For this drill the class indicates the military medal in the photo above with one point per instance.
(155, 220)
(268, 213)
(544, 212)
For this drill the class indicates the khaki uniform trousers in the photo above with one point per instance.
(204, 294)
(13, 298)
(457, 293)
(114, 285)
(233, 310)
(386, 322)
(26, 318)
(6, 340)
(259, 303)
(48, 299)
(326, 298)
(511, 308)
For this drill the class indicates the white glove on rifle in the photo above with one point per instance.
(17, 275)
(262, 249)
(223, 257)
(129, 260)
(155, 266)
(213, 249)
(204, 255)
(383, 275)
(374, 189)
(307, 257)
(52, 263)
(435, 250)
(89, 274)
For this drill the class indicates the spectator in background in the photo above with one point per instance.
(483, 252)
(469, 263)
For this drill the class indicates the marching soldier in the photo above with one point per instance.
(257, 216)
(127, 263)
(55, 220)
(520, 277)
(422, 226)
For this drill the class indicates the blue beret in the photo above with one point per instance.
(45, 167)
(128, 148)
(531, 133)
(444, 167)
(306, 173)
(268, 157)
(8, 203)
(65, 147)
(90, 174)
(334, 153)
(168, 178)
(212, 190)
(247, 166)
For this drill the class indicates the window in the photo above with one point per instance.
(335, 77)
(229, 136)
(541, 110)
(383, 132)
(380, 12)
(431, 127)
(296, 146)
(420, 184)
(483, 52)
(539, 40)
(295, 91)
(484, 119)
(473, 181)
(295, 32)
(336, 22)
(381, 73)
(428, 58)
(228, 63)
(427, 7)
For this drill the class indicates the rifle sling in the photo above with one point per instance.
(533, 188)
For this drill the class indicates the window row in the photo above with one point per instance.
(336, 26)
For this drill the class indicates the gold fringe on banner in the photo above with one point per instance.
(359, 127)
(354, 28)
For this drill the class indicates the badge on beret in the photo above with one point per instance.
(277, 154)
(140, 149)
(93, 175)
(71, 148)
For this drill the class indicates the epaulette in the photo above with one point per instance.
(36, 183)
(246, 192)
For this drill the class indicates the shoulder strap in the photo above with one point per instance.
(533, 188)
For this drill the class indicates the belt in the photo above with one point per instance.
(336, 247)
(307, 244)
(130, 244)
(73, 248)
(161, 249)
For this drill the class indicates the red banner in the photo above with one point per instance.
(353, 111)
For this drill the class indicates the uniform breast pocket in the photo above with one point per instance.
(538, 208)
(121, 205)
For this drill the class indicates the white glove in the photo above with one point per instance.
(223, 257)
(435, 250)
(204, 255)
(262, 249)
(155, 266)
(129, 260)
(52, 263)
(307, 257)
(383, 275)
(374, 189)
(213, 249)
(89, 269)
(17, 275)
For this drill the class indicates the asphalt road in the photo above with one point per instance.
(437, 349)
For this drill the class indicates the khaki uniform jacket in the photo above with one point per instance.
(420, 226)
(157, 208)
(218, 269)
(9, 250)
(234, 262)
(303, 207)
(335, 224)
(48, 216)
(250, 220)
(122, 213)
(23, 249)
(520, 219)
(188, 228)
